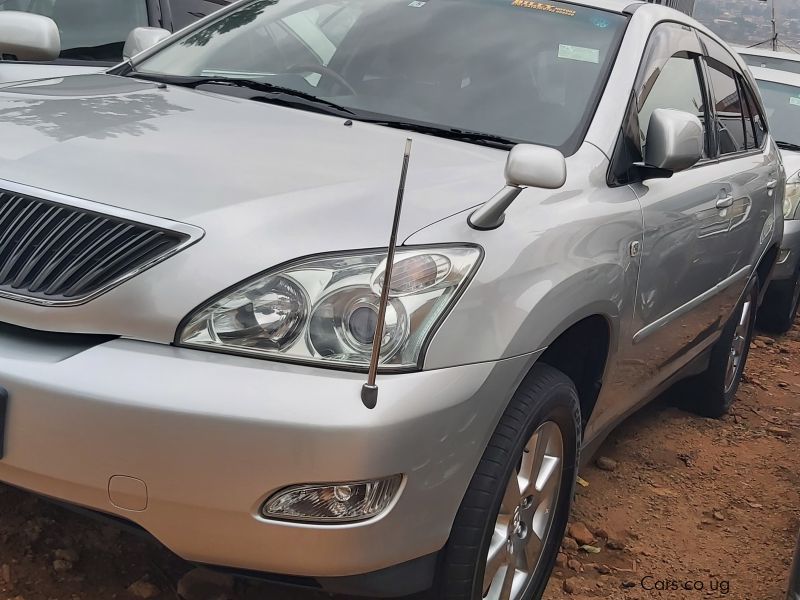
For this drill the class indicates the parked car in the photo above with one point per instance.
(780, 91)
(193, 260)
(793, 592)
(78, 44)
(770, 59)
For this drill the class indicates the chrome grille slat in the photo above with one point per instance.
(57, 253)
(59, 232)
(26, 244)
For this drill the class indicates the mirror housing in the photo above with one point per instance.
(675, 140)
(143, 38)
(527, 165)
(29, 36)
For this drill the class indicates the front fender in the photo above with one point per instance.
(560, 256)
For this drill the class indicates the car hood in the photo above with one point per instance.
(200, 157)
(266, 184)
(20, 71)
(791, 162)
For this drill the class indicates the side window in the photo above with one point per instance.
(678, 87)
(731, 119)
(753, 116)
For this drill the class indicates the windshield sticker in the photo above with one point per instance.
(557, 10)
(794, 101)
(590, 55)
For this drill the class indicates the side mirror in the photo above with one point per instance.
(527, 165)
(535, 166)
(675, 140)
(29, 36)
(142, 38)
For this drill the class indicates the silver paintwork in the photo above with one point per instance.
(675, 140)
(526, 516)
(213, 435)
(29, 36)
(142, 38)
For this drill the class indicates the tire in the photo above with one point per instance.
(712, 393)
(546, 406)
(781, 303)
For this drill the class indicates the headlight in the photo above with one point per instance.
(792, 198)
(324, 310)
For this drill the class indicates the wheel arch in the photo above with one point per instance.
(581, 351)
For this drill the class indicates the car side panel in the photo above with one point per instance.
(560, 256)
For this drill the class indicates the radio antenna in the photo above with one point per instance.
(369, 391)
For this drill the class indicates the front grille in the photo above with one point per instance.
(56, 253)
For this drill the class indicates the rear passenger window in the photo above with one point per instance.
(753, 116)
(734, 124)
(678, 87)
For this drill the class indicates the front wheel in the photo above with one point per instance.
(507, 532)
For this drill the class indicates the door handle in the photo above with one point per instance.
(772, 184)
(725, 202)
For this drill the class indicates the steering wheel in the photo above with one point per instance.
(323, 70)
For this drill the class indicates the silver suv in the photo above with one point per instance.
(193, 269)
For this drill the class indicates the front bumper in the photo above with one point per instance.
(787, 268)
(211, 436)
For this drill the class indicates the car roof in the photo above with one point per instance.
(793, 56)
(776, 76)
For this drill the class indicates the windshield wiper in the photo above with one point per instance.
(451, 133)
(257, 86)
(788, 146)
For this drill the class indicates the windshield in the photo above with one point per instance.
(772, 62)
(782, 103)
(517, 69)
(91, 30)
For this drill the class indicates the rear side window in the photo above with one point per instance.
(677, 87)
(732, 118)
(755, 119)
(186, 12)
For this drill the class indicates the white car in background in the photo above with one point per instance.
(780, 91)
(53, 38)
(770, 59)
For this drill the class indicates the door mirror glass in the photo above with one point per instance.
(142, 38)
(29, 37)
(675, 140)
(529, 165)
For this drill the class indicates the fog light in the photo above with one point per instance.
(334, 502)
(783, 256)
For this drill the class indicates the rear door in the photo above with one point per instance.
(748, 167)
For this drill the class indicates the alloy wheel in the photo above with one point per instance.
(739, 344)
(526, 516)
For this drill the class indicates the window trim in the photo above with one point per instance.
(737, 76)
(619, 153)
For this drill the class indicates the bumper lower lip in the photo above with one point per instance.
(211, 437)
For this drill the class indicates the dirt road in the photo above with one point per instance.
(708, 504)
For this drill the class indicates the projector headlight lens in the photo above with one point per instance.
(324, 310)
